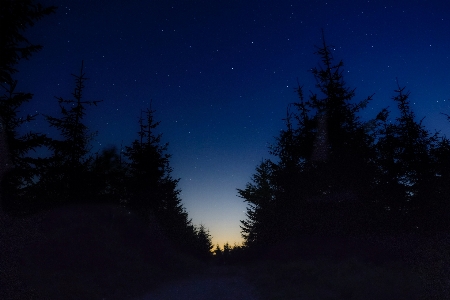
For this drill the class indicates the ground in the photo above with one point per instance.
(46, 256)
(218, 283)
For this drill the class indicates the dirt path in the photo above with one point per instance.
(218, 283)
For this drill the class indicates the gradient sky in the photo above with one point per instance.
(221, 74)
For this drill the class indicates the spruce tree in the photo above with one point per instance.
(22, 168)
(261, 224)
(411, 164)
(203, 243)
(148, 166)
(15, 18)
(65, 177)
(347, 166)
(293, 149)
(150, 188)
(333, 167)
(324, 171)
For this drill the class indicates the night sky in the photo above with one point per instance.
(220, 75)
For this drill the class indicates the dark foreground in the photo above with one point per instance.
(53, 260)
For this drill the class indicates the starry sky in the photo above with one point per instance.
(220, 75)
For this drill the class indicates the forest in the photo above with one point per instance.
(334, 173)
(138, 176)
(328, 166)
(331, 173)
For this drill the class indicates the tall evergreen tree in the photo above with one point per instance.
(65, 178)
(148, 165)
(16, 17)
(334, 145)
(349, 145)
(293, 148)
(150, 187)
(203, 243)
(23, 168)
(257, 229)
(411, 163)
(325, 167)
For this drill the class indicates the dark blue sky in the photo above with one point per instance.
(221, 74)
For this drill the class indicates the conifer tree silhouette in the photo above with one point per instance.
(65, 178)
(325, 167)
(152, 191)
(406, 158)
(15, 18)
(257, 229)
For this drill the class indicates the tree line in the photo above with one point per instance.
(333, 173)
(138, 176)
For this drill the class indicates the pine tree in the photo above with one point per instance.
(333, 151)
(262, 223)
(23, 168)
(411, 163)
(294, 148)
(16, 17)
(217, 250)
(203, 243)
(148, 167)
(65, 178)
(150, 188)
(349, 152)
(325, 167)
(226, 253)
